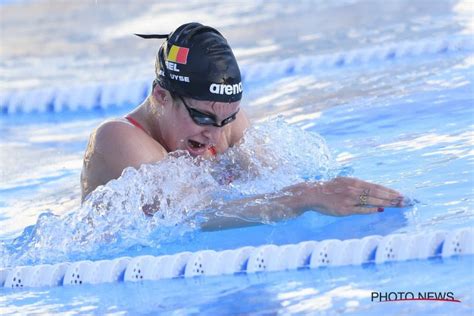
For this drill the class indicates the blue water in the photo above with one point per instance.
(328, 291)
(404, 122)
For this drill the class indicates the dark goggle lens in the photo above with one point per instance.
(201, 119)
(229, 119)
(204, 119)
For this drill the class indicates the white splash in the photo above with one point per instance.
(162, 201)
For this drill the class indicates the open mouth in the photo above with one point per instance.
(196, 145)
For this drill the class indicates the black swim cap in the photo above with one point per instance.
(196, 61)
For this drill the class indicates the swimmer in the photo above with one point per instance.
(195, 106)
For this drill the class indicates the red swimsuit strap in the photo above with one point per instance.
(135, 122)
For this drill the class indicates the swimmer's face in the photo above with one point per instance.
(199, 125)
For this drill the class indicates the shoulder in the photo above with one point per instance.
(123, 140)
(114, 146)
(115, 127)
(114, 130)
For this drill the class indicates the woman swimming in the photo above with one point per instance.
(195, 106)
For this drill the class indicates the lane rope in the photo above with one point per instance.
(246, 260)
(131, 93)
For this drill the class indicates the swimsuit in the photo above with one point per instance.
(134, 122)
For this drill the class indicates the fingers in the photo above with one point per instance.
(384, 193)
(346, 196)
(361, 184)
(374, 194)
(374, 201)
(374, 197)
(367, 210)
(378, 188)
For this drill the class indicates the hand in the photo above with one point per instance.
(346, 196)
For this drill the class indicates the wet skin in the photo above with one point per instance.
(168, 126)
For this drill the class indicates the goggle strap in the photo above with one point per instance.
(148, 36)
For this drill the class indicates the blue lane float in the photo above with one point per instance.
(246, 260)
(130, 93)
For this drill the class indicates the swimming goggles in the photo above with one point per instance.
(201, 118)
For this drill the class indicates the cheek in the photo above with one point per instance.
(185, 130)
(188, 128)
(191, 130)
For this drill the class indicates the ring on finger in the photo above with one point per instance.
(364, 197)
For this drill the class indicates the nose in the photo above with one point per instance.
(212, 133)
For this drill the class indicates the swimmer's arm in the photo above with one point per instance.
(339, 197)
(256, 210)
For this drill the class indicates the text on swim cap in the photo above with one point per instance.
(175, 77)
(227, 89)
(171, 66)
(179, 78)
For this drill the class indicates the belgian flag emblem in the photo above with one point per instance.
(178, 54)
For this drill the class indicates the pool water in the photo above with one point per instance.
(390, 95)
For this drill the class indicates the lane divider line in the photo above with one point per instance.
(130, 93)
(266, 258)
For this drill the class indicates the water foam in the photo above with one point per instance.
(162, 201)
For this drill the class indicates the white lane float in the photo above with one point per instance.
(129, 93)
(249, 260)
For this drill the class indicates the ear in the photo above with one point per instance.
(161, 95)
